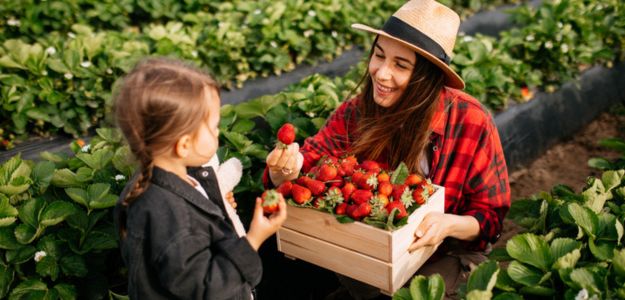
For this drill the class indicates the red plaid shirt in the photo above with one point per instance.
(467, 158)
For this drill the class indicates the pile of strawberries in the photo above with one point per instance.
(359, 191)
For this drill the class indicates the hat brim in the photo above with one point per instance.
(453, 79)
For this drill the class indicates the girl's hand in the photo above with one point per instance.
(284, 164)
(231, 200)
(432, 231)
(263, 227)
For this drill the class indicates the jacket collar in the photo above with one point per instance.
(176, 185)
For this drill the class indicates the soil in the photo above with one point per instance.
(565, 163)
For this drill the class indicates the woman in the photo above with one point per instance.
(411, 109)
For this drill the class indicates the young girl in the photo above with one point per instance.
(411, 109)
(176, 238)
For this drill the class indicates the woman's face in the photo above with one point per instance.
(390, 68)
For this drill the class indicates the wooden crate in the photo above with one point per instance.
(372, 255)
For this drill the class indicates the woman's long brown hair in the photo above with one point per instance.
(157, 103)
(400, 132)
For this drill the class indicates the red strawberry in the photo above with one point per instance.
(303, 180)
(270, 201)
(385, 188)
(301, 194)
(348, 189)
(346, 166)
(285, 188)
(413, 179)
(326, 172)
(371, 165)
(363, 210)
(286, 134)
(341, 209)
(420, 195)
(316, 187)
(350, 210)
(380, 198)
(398, 190)
(361, 196)
(397, 204)
(368, 181)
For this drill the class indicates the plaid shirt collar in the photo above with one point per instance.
(440, 115)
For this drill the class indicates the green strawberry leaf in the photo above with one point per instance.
(484, 277)
(7, 238)
(47, 266)
(400, 174)
(42, 175)
(618, 262)
(20, 255)
(530, 249)
(7, 273)
(56, 212)
(73, 265)
(344, 219)
(8, 213)
(585, 218)
(525, 275)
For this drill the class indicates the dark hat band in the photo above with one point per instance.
(407, 33)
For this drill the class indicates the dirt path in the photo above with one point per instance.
(565, 163)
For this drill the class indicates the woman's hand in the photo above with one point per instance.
(263, 227)
(436, 226)
(284, 164)
(231, 200)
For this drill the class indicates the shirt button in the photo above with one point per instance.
(204, 174)
(435, 148)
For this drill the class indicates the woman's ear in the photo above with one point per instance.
(183, 146)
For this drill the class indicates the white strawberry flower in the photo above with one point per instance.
(71, 35)
(334, 34)
(529, 38)
(194, 53)
(50, 50)
(68, 76)
(308, 32)
(559, 24)
(548, 44)
(109, 71)
(39, 255)
(44, 73)
(85, 148)
(119, 177)
(85, 64)
(14, 22)
(257, 11)
(564, 48)
(273, 44)
(312, 13)
(467, 38)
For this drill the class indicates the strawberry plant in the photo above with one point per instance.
(421, 287)
(601, 163)
(56, 234)
(572, 248)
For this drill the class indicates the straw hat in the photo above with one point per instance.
(427, 27)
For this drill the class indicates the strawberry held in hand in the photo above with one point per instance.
(286, 135)
(270, 201)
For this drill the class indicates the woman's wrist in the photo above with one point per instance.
(465, 228)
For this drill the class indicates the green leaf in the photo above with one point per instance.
(599, 163)
(42, 175)
(429, 288)
(80, 196)
(525, 275)
(484, 277)
(584, 218)
(66, 291)
(6, 279)
(56, 212)
(504, 282)
(98, 191)
(400, 174)
(567, 261)
(47, 266)
(29, 212)
(105, 202)
(618, 262)
(25, 233)
(602, 250)
(479, 295)
(7, 212)
(530, 249)
(613, 143)
(74, 265)
(595, 195)
(7, 238)
(256, 108)
(28, 288)
(65, 178)
(402, 294)
(508, 296)
(585, 279)
(20, 255)
(123, 161)
(100, 241)
(243, 126)
(98, 159)
(561, 246)
(612, 179)
(111, 135)
(537, 290)
(344, 219)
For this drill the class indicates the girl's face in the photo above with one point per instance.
(390, 68)
(207, 138)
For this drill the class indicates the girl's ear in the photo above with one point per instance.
(183, 146)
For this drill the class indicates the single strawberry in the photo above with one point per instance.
(420, 194)
(361, 196)
(397, 205)
(326, 172)
(385, 188)
(347, 165)
(370, 165)
(430, 186)
(270, 201)
(351, 208)
(413, 179)
(398, 190)
(303, 180)
(300, 194)
(341, 209)
(348, 189)
(285, 188)
(333, 197)
(381, 199)
(316, 187)
(384, 177)
(368, 181)
(363, 210)
(286, 134)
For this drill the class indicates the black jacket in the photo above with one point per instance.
(180, 245)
